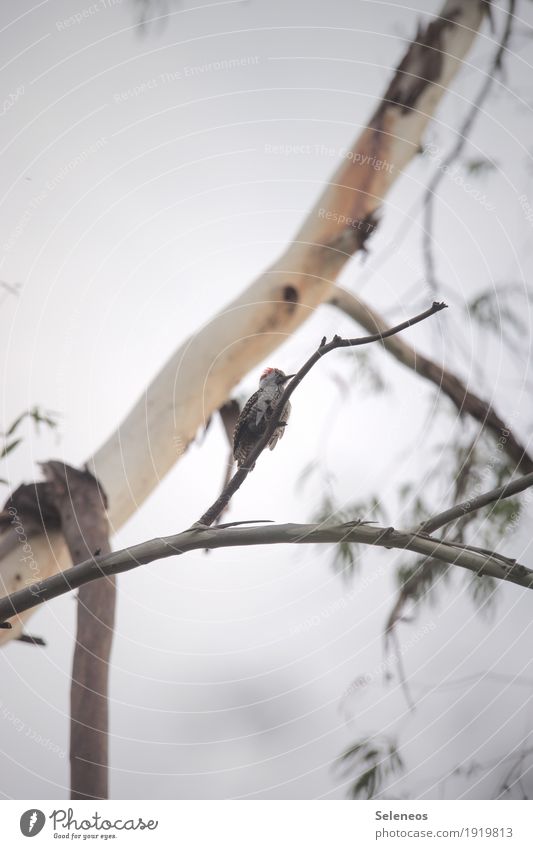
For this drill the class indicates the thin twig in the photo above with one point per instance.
(34, 641)
(472, 504)
(229, 414)
(324, 348)
(448, 383)
(393, 636)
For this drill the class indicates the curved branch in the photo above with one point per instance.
(473, 504)
(491, 563)
(324, 348)
(464, 399)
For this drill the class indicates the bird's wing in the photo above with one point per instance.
(278, 433)
(242, 421)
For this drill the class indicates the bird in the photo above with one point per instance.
(257, 412)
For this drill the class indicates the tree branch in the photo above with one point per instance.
(229, 414)
(491, 563)
(464, 399)
(33, 641)
(324, 348)
(472, 504)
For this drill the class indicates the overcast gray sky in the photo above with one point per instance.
(143, 186)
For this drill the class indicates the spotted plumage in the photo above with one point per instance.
(257, 412)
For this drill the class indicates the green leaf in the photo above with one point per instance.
(374, 760)
(501, 309)
(9, 446)
(417, 580)
(15, 424)
(479, 166)
(367, 375)
(38, 416)
(346, 554)
(482, 589)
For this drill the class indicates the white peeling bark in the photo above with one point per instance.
(199, 377)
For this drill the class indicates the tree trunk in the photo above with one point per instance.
(199, 377)
(81, 506)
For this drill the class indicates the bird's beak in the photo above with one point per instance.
(288, 377)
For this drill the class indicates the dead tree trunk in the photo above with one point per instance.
(82, 508)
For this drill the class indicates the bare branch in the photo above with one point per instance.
(472, 504)
(33, 641)
(464, 399)
(229, 414)
(324, 348)
(491, 563)
(392, 636)
(10, 288)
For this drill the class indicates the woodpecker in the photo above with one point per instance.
(256, 413)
